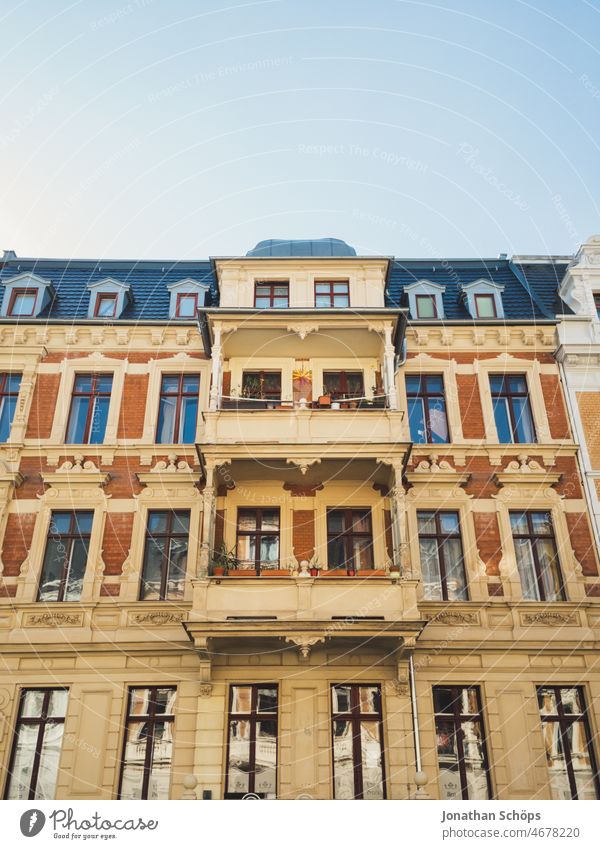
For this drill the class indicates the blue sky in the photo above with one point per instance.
(153, 129)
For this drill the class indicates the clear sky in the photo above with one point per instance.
(154, 129)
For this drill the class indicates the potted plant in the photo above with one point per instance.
(314, 567)
(351, 570)
(394, 571)
(325, 398)
(223, 561)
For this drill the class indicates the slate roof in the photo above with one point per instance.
(530, 287)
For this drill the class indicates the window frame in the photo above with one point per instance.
(356, 717)
(331, 294)
(441, 537)
(253, 718)
(260, 373)
(425, 398)
(41, 723)
(272, 285)
(26, 290)
(106, 296)
(344, 393)
(532, 538)
(507, 394)
(431, 298)
(348, 535)
(457, 720)
(180, 297)
(149, 718)
(596, 296)
(258, 534)
(487, 296)
(93, 394)
(179, 395)
(564, 720)
(5, 395)
(68, 539)
(168, 535)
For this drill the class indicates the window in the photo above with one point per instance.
(262, 385)
(349, 539)
(186, 305)
(512, 412)
(9, 392)
(165, 555)
(106, 305)
(427, 408)
(358, 771)
(252, 741)
(597, 304)
(442, 563)
(258, 538)
(66, 555)
(37, 744)
(148, 746)
(22, 302)
(332, 293)
(178, 409)
(485, 306)
(537, 557)
(340, 385)
(461, 748)
(89, 409)
(272, 295)
(426, 306)
(568, 743)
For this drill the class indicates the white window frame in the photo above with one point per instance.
(426, 287)
(482, 287)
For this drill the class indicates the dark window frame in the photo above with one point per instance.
(180, 297)
(169, 535)
(430, 299)
(23, 291)
(348, 535)
(343, 394)
(457, 719)
(106, 296)
(440, 536)
(179, 395)
(533, 536)
(92, 394)
(264, 395)
(597, 303)
(355, 717)
(564, 720)
(507, 393)
(331, 294)
(258, 533)
(150, 720)
(33, 720)
(253, 717)
(486, 296)
(271, 285)
(425, 395)
(5, 394)
(67, 539)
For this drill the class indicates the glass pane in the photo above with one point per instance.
(447, 752)
(581, 761)
(547, 701)
(425, 306)
(189, 416)
(139, 701)
(241, 699)
(83, 521)
(555, 759)
(322, 301)
(165, 700)
(106, 305)
(474, 760)
(23, 304)
(541, 523)
(362, 554)
(99, 419)
(272, 383)
(157, 521)
(340, 288)
(49, 758)
(76, 570)
(496, 383)
(434, 383)
(170, 383)
(426, 522)
(456, 582)
(52, 570)
(246, 551)
(132, 776)
(191, 382)
(177, 567)
(186, 306)
(263, 290)
(485, 306)
(518, 523)
(13, 383)
(525, 564)
(58, 703)
(341, 301)
(162, 754)
(361, 521)
(437, 420)
(524, 420)
(166, 420)
(280, 303)
(335, 521)
(238, 768)
(7, 413)
(416, 417)
(502, 419)
(33, 701)
(266, 700)
(270, 520)
(181, 522)
(152, 573)
(22, 768)
(265, 780)
(281, 291)
(369, 699)
(442, 700)
(430, 569)
(449, 523)
(355, 384)
(336, 554)
(572, 700)
(343, 761)
(321, 288)
(247, 520)
(262, 303)
(77, 419)
(342, 699)
(269, 550)
(413, 384)
(550, 570)
(83, 383)
(517, 383)
(372, 767)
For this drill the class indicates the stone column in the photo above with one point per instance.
(399, 522)
(389, 356)
(217, 370)
(209, 499)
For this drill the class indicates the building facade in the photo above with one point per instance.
(296, 524)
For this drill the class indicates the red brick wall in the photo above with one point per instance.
(43, 405)
(470, 406)
(133, 406)
(581, 540)
(116, 541)
(555, 406)
(487, 535)
(304, 534)
(17, 541)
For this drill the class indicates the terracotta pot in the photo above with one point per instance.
(314, 573)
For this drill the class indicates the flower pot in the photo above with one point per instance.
(218, 570)
(324, 400)
(335, 405)
(314, 573)
(351, 572)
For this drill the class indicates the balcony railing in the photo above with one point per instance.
(242, 569)
(375, 402)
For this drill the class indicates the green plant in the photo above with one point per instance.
(251, 388)
(224, 559)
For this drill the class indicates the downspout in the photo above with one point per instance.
(415, 715)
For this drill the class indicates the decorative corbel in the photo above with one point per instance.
(304, 644)
(303, 463)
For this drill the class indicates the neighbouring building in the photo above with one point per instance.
(299, 524)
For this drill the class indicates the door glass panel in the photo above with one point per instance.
(473, 747)
(372, 767)
(22, 766)
(430, 569)
(266, 758)
(455, 571)
(526, 568)
(238, 771)
(343, 759)
(437, 420)
(267, 700)
(341, 699)
(162, 753)
(447, 752)
(132, 776)
(49, 758)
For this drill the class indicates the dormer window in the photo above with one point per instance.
(483, 299)
(26, 295)
(186, 296)
(425, 300)
(108, 298)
